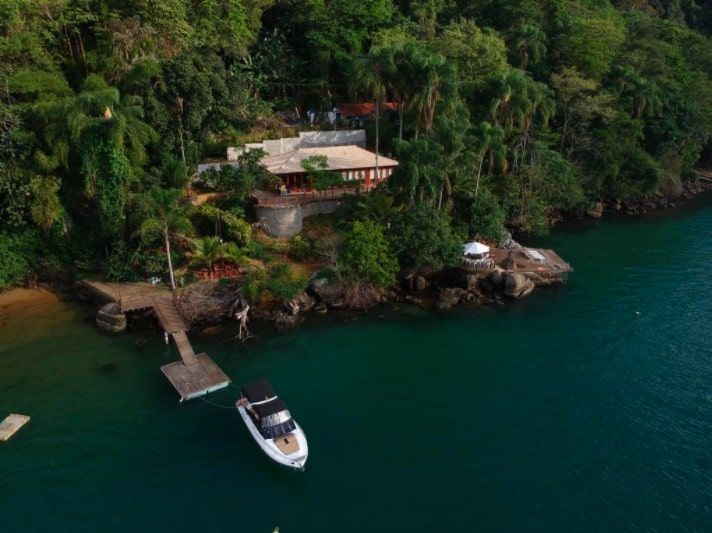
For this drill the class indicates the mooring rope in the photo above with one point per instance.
(217, 404)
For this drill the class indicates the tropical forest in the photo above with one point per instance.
(504, 117)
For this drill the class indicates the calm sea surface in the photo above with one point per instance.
(585, 407)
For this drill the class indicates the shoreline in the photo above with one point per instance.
(23, 297)
(24, 301)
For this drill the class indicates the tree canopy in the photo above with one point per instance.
(500, 113)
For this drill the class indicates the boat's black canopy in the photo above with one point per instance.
(259, 391)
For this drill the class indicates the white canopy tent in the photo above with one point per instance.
(475, 248)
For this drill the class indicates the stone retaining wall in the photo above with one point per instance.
(287, 221)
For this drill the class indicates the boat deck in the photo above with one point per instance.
(287, 444)
(12, 425)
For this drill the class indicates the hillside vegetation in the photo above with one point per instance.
(501, 114)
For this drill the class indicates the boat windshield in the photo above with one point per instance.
(277, 425)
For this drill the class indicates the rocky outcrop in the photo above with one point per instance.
(449, 297)
(596, 211)
(301, 304)
(517, 285)
(330, 294)
(110, 318)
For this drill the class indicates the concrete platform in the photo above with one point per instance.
(197, 379)
(12, 425)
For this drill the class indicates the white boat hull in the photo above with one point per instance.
(293, 460)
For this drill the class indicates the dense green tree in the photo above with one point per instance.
(580, 102)
(241, 180)
(208, 219)
(227, 26)
(619, 167)
(318, 173)
(487, 218)
(479, 53)
(102, 100)
(375, 206)
(421, 237)
(367, 255)
(547, 184)
(588, 38)
(419, 176)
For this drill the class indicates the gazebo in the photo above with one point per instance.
(475, 249)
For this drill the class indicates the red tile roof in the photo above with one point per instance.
(363, 109)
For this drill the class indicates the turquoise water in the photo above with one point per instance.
(585, 407)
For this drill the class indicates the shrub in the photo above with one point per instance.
(119, 266)
(282, 285)
(254, 285)
(206, 218)
(300, 248)
(13, 265)
(30, 252)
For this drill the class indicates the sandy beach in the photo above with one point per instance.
(31, 312)
(17, 299)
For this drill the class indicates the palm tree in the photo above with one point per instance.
(436, 81)
(231, 252)
(640, 93)
(530, 43)
(207, 251)
(163, 216)
(400, 78)
(368, 75)
(376, 206)
(519, 99)
(106, 135)
(492, 145)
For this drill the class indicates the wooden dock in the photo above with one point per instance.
(12, 425)
(130, 296)
(197, 379)
(192, 376)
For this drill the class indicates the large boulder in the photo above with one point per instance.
(449, 297)
(421, 283)
(331, 294)
(302, 303)
(496, 279)
(110, 318)
(596, 211)
(517, 285)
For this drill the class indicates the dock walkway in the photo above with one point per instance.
(192, 376)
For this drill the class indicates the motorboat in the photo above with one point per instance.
(271, 424)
